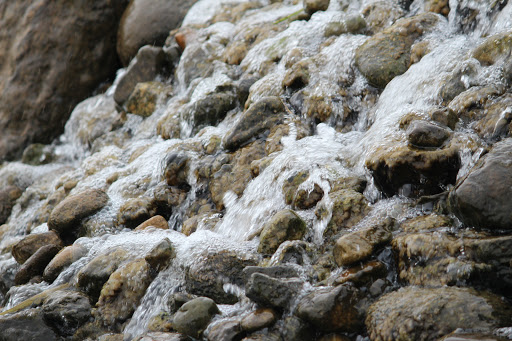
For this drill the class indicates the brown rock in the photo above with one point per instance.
(26, 247)
(35, 265)
(157, 221)
(258, 319)
(62, 260)
(53, 55)
(67, 215)
(148, 22)
(285, 225)
(8, 198)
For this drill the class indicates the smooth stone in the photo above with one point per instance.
(194, 316)
(26, 247)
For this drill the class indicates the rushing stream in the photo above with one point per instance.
(220, 192)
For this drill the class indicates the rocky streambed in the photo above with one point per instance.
(271, 170)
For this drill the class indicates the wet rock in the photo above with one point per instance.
(295, 329)
(150, 62)
(358, 245)
(426, 223)
(312, 6)
(62, 260)
(135, 211)
(202, 278)
(388, 53)
(146, 23)
(495, 124)
(176, 171)
(354, 23)
(332, 309)
(254, 122)
(35, 265)
(235, 176)
(66, 216)
(496, 48)
(438, 6)
(334, 337)
(279, 271)
(194, 316)
(294, 252)
(381, 14)
(349, 207)
(160, 256)
(258, 319)
(37, 154)
(226, 330)
(360, 275)
(481, 199)
(8, 198)
(144, 98)
(467, 104)
(211, 110)
(442, 310)
(38, 94)
(160, 336)
(157, 221)
(93, 275)
(423, 134)
(65, 311)
(301, 198)
(272, 292)
(26, 325)
(445, 117)
(26, 247)
(414, 172)
(284, 225)
(122, 293)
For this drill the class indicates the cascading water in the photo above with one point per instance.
(125, 155)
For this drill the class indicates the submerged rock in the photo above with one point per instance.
(481, 199)
(442, 311)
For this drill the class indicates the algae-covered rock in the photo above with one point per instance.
(442, 310)
(301, 198)
(144, 98)
(194, 316)
(482, 198)
(284, 225)
(381, 14)
(388, 53)
(349, 207)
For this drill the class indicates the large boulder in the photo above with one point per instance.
(148, 22)
(481, 199)
(396, 315)
(53, 55)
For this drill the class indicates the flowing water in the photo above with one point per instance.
(135, 156)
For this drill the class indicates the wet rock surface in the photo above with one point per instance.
(273, 170)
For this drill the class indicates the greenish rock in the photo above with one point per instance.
(388, 53)
(66, 217)
(122, 293)
(272, 292)
(332, 309)
(284, 225)
(359, 245)
(301, 198)
(66, 311)
(91, 277)
(255, 121)
(37, 154)
(349, 207)
(482, 198)
(442, 311)
(351, 24)
(379, 15)
(194, 316)
(495, 48)
(426, 223)
(25, 248)
(312, 6)
(210, 110)
(144, 98)
(424, 134)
